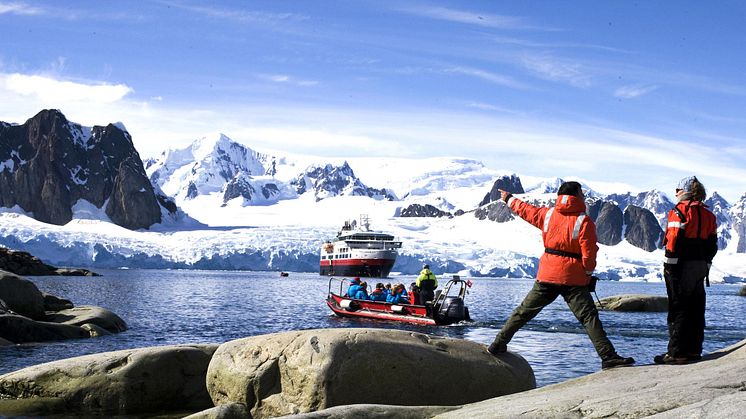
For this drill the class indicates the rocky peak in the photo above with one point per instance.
(654, 200)
(738, 217)
(511, 183)
(205, 166)
(721, 208)
(53, 163)
(329, 180)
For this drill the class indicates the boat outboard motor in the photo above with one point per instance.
(452, 309)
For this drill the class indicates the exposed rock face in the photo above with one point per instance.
(427, 210)
(20, 329)
(635, 302)
(609, 222)
(48, 164)
(654, 201)
(721, 208)
(496, 211)
(327, 181)
(300, 371)
(224, 411)
(24, 263)
(742, 291)
(738, 212)
(643, 229)
(510, 183)
(133, 381)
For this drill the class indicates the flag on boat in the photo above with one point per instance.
(468, 283)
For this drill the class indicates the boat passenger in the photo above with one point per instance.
(362, 292)
(378, 294)
(427, 283)
(398, 295)
(353, 288)
(414, 291)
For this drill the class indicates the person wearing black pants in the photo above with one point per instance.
(691, 244)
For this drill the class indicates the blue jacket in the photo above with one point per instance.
(360, 294)
(353, 289)
(378, 295)
(402, 298)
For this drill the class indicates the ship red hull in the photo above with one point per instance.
(371, 268)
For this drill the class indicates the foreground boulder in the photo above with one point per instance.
(134, 381)
(21, 296)
(24, 263)
(742, 291)
(28, 315)
(635, 302)
(711, 388)
(302, 371)
(81, 315)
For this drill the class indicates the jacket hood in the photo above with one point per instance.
(569, 204)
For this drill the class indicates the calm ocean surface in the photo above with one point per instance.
(163, 307)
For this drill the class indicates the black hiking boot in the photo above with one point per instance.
(497, 347)
(616, 361)
(672, 360)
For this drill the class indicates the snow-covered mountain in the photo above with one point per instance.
(265, 211)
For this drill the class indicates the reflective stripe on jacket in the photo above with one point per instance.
(566, 228)
(691, 233)
(427, 275)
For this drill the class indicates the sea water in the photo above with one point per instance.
(165, 307)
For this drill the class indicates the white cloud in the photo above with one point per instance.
(19, 9)
(555, 69)
(633, 91)
(284, 78)
(50, 90)
(487, 76)
(472, 18)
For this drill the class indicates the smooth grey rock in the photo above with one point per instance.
(24, 263)
(89, 314)
(20, 329)
(4, 342)
(21, 296)
(225, 411)
(375, 411)
(711, 388)
(95, 331)
(635, 302)
(742, 291)
(301, 371)
(54, 303)
(132, 381)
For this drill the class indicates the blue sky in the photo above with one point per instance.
(626, 95)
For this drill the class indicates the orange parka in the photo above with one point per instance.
(565, 229)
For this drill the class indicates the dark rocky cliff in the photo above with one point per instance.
(49, 164)
(510, 183)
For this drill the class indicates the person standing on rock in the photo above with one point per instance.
(691, 244)
(565, 269)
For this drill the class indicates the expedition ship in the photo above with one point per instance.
(359, 251)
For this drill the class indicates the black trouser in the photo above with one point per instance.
(686, 307)
(578, 298)
(427, 290)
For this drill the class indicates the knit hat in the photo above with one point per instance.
(687, 183)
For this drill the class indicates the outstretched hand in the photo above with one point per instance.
(505, 195)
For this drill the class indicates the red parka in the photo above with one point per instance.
(567, 229)
(691, 233)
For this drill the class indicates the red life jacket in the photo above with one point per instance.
(691, 233)
(569, 237)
